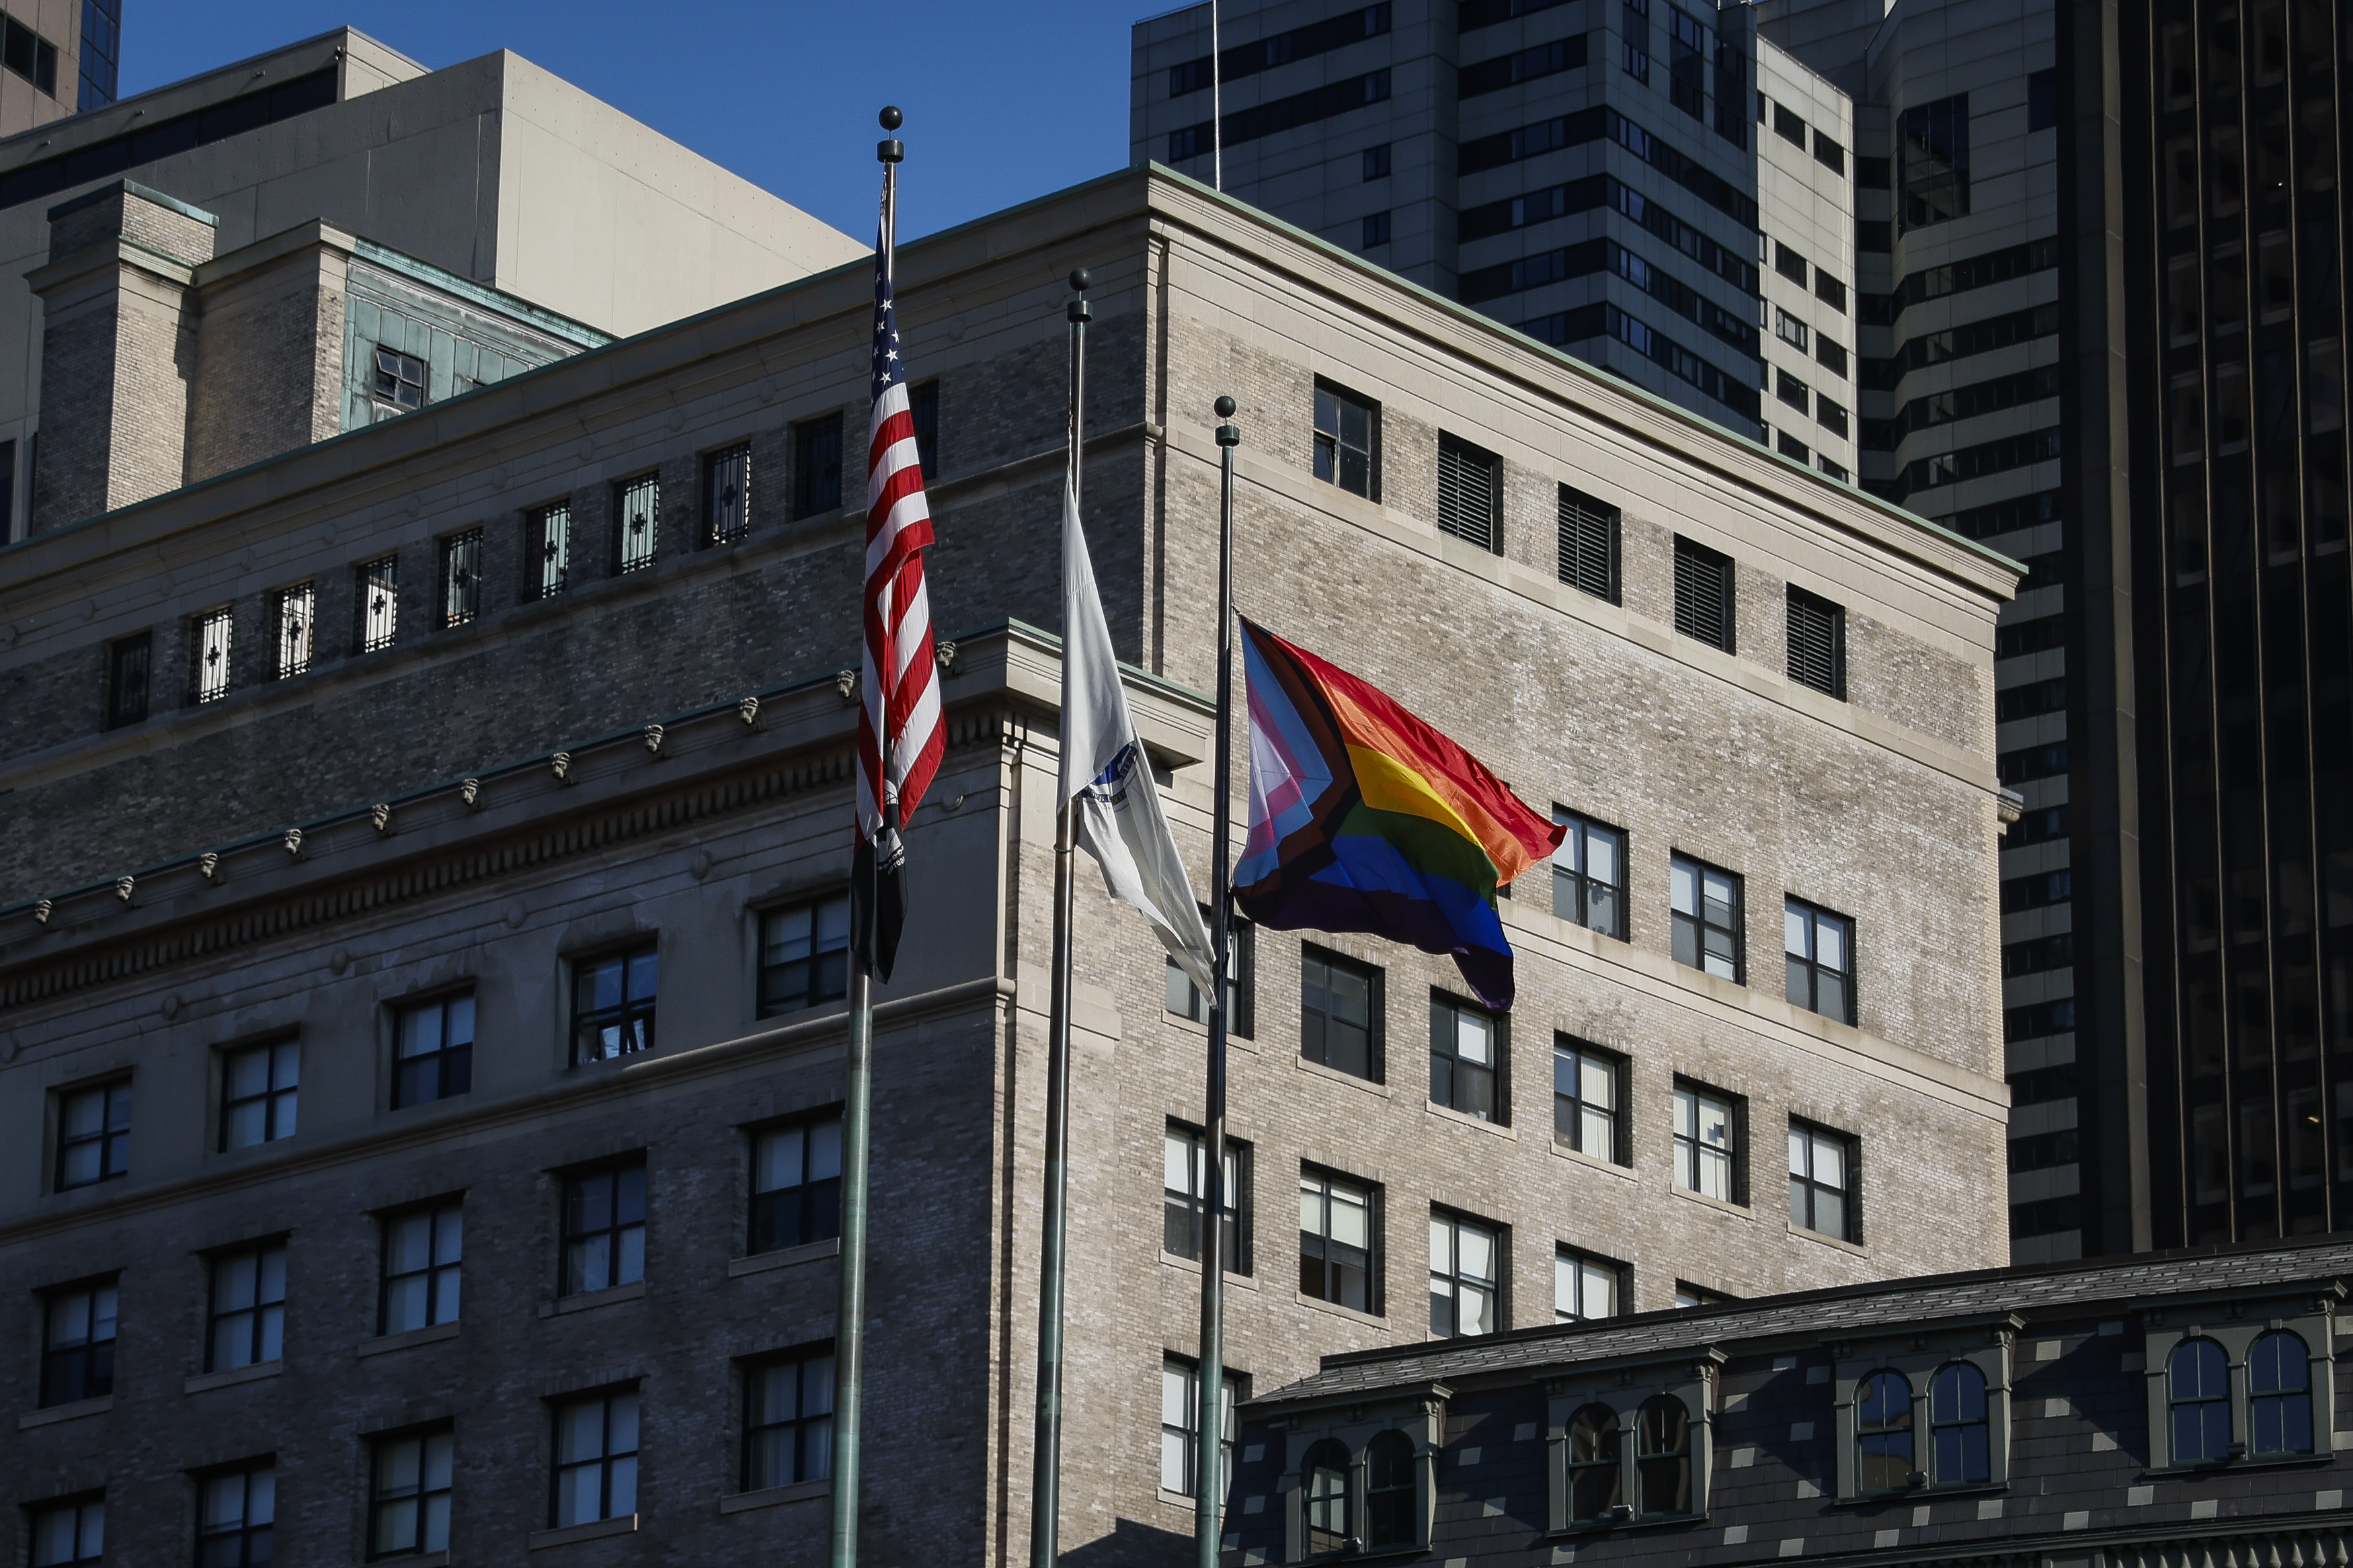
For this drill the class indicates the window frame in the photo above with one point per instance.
(1800, 602)
(1690, 1378)
(1619, 1067)
(604, 1457)
(1692, 592)
(1375, 1040)
(1242, 978)
(1237, 1189)
(1187, 1429)
(630, 1010)
(924, 408)
(1334, 439)
(1986, 1345)
(1447, 1065)
(375, 627)
(441, 1056)
(811, 494)
(809, 1197)
(112, 1138)
(294, 629)
(1850, 1194)
(1375, 1305)
(727, 521)
(547, 541)
(1581, 829)
(1735, 1119)
(1419, 1417)
(419, 1497)
(615, 1232)
(1499, 1238)
(2175, 1322)
(247, 1528)
(1815, 916)
(1696, 921)
(801, 1358)
(1892, 1426)
(130, 678)
(273, 1094)
(1583, 1264)
(643, 490)
(461, 577)
(91, 1358)
(1459, 462)
(212, 640)
(262, 1327)
(397, 374)
(437, 1270)
(84, 1508)
(1583, 514)
(816, 905)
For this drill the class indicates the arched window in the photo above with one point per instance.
(1883, 1434)
(1328, 1515)
(1957, 1426)
(1663, 1459)
(1596, 1483)
(1388, 1491)
(2279, 1395)
(2198, 1391)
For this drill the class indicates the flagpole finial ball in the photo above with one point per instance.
(890, 117)
(1225, 407)
(1081, 280)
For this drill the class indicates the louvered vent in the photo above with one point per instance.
(1589, 544)
(1816, 643)
(1470, 493)
(1703, 595)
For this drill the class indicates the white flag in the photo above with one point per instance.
(1104, 768)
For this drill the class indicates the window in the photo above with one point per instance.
(290, 614)
(1348, 441)
(247, 1323)
(234, 1512)
(804, 955)
(424, 1252)
(1181, 1426)
(376, 592)
(409, 1494)
(1933, 143)
(1788, 445)
(1470, 493)
(548, 534)
(1376, 161)
(209, 643)
(1466, 1277)
(1376, 231)
(1790, 264)
(1324, 1479)
(127, 660)
(1959, 1432)
(93, 1134)
(1588, 873)
(1339, 1014)
(1819, 949)
(1466, 1046)
(1821, 1182)
(817, 465)
(1792, 391)
(1589, 544)
(1788, 126)
(2197, 1397)
(1789, 329)
(69, 1532)
(260, 1085)
(461, 577)
(78, 1343)
(2279, 1395)
(796, 1185)
(433, 1044)
(1829, 290)
(1588, 1097)
(1831, 356)
(1597, 1483)
(727, 494)
(596, 1458)
(605, 1228)
(613, 1005)
(399, 384)
(1703, 593)
(1834, 469)
(1831, 416)
(1184, 998)
(1662, 1455)
(2043, 100)
(1389, 1490)
(1830, 154)
(1707, 1152)
(1883, 1434)
(1706, 912)
(1336, 1241)
(789, 1419)
(1688, 1295)
(1185, 1184)
(1584, 1286)
(924, 408)
(636, 507)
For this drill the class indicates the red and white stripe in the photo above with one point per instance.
(900, 682)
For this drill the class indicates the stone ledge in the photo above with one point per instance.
(254, 1373)
(431, 1333)
(588, 1300)
(56, 1412)
(785, 1258)
(620, 1524)
(769, 1496)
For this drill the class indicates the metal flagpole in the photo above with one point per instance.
(1046, 1489)
(1209, 1500)
(1217, 107)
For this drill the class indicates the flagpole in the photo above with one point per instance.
(1217, 107)
(1046, 1490)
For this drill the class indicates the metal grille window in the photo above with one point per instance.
(605, 1228)
(1466, 1051)
(424, 1255)
(817, 465)
(924, 407)
(1185, 1184)
(1184, 999)
(1336, 1228)
(461, 577)
(1348, 441)
(595, 1458)
(613, 1005)
(1707, 1143)
(127, 661)
(245, 1324)
(1470, 493)
(796, 1185)
(1589, 875)
(433, 1046)
(210, 642)
(376, 585)
(1466, 1277)
(77, 1342)
(1584, 1286)
(1589, 544)
(1180, 1425)
(1822, 1181)
(93, 1134)
(637, 509)
(234, 1515)
(291, 621)
(549, 534)
(1705, 906)
(1816, 643)
(804, 955)
(1588, 1100)
(1704, 593)
(399, 381)
(1821, 959)
(260, 1086)
(66, 1532)
(789, 1420)
(727, 494)
(1339, 1014)
(409, 1494)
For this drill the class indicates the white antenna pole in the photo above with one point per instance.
(1217, 107)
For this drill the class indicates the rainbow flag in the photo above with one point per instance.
(1364, 818)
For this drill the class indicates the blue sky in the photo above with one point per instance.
(1004, 101)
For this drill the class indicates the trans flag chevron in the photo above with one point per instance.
(1363, 818)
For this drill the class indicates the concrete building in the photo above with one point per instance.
(2177, 1408)
(57, 56)
(495, 940)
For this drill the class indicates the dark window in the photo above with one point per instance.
(2043, 100)
(1467, 1049)
(804, 955)
(789, 1419)
(1829, 290)
(1831, 416)
(1883, 1434)
(1596, 1480)
(796, 1185)
(1466, 1277)
(399, 384)
(1340, 1014)
(1688, 1295)
(1872, 174)
(1830, 154)
(595, 1458)
(1819, 950)
(376, 599)
(1934, 142)
(924, 408)
(1835, 470)
(1821, 1182)
(1184, 999)
(1585, 1287)
(424, 1252)
(127, 661)
(461, 577)
(290, 620)
(605, 1228)
(260, 1086)
(1376, 231)
(1337, 1224)
(1536, 61)
(1703, 593)
(1589, 544)
(637, 509)
(1588, 1100)
(1793, 391)
(1873, 236)
(209, 638)
(1281, 114)
(2279, 1395)
(1788, 445)
(1376, 161)
(727, 494)
(1790, 264)
(1705, 904)
(1185, 1183)
(613, 1005)
(1788, 126)
(246, 1319)
(408, 1493)
(1709, 1156)
(433, 1050)
(66, 1532)
(8, 490)
(1589, 875)
(234, 1515)
(1348, 441)
(817, 465)
(1790, 328)
(77, 1342)
(1389, 1492)
(1662, 1455)
(93, 1134)
(1470, 493)
(1240, 60)
(1331, 1514)
(1957, 1427)
(1816, 643)
(2197, 1401)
